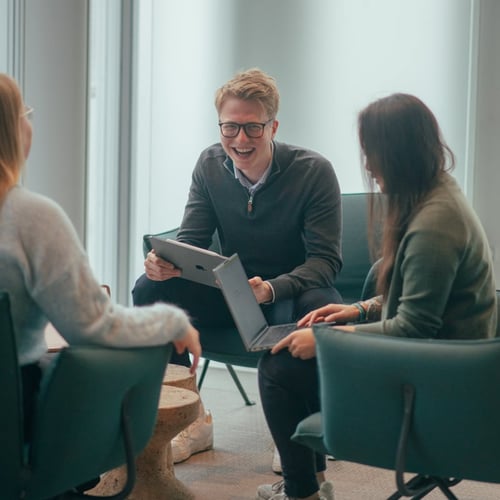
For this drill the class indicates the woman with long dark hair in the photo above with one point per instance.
(434, 278)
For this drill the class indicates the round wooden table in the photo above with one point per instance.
(178, 407)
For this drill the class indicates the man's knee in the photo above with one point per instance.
(146, 291)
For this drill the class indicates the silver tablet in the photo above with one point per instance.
(196, 263)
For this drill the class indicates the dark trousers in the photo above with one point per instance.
(207, 308)
(289, 392)
(288, 386)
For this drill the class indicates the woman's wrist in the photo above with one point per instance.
(373, 309)
(362, 311)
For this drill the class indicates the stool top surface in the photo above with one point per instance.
(176, 373)
(176, 397)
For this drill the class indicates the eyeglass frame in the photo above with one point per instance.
(244, 127)
(28, 112)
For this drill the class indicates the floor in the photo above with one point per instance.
(243, 449)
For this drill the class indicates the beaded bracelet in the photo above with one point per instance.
(374, 310)
(362, 312)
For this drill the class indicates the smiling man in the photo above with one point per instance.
(278, 206)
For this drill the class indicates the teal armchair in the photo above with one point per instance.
(97, 409)
(224, 344)
(421, 406)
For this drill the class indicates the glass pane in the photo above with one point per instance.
(330, 59)
(4, 20)
(102, 145)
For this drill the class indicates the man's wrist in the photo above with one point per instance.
(273, 295)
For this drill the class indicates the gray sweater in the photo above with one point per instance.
(443, 284)
(292, 235)
(46, 272)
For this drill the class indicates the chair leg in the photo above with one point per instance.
(444, 486)
(248, 401)
(422, 484)
(203, 373)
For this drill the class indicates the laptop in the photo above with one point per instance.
(250, 321)
(196, 263)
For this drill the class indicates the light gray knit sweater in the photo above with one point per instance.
(46, 272)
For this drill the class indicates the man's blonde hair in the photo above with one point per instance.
(11, 151)
(251, 85)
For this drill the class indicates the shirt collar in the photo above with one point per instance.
(244, 181)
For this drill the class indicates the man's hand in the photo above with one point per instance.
(261, 289)
(158, 269)
(300, 343)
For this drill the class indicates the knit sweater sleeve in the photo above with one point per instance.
(59, 280)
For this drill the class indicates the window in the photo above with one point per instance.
(330, 59)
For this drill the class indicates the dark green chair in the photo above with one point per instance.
(428, 407)
(356, 256)
(224, 345)
(97, 409)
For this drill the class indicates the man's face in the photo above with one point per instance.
(250, 155)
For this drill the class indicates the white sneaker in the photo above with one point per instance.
(196, 437)
(276, 465)
(276, 491)
(268, 491)
(326, 491)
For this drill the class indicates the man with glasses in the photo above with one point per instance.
(278, 206)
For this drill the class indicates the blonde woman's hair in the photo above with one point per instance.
(251, 85)
(11, 150)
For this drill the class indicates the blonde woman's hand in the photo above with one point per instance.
(157, 269)
(339, 313)
(191, 342)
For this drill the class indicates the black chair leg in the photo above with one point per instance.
(444, 486)
(248, 401)
(234, 376)
(203, 373)
(422, 484)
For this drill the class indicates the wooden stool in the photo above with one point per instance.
(156, 480)
(179, 376)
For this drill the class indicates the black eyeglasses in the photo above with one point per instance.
(253, 130)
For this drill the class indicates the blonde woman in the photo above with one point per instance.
(46, 272)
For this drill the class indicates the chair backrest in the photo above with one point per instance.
(455, 429)
(355, 248)
(78, 432)
(498, 314)
(11, 414)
